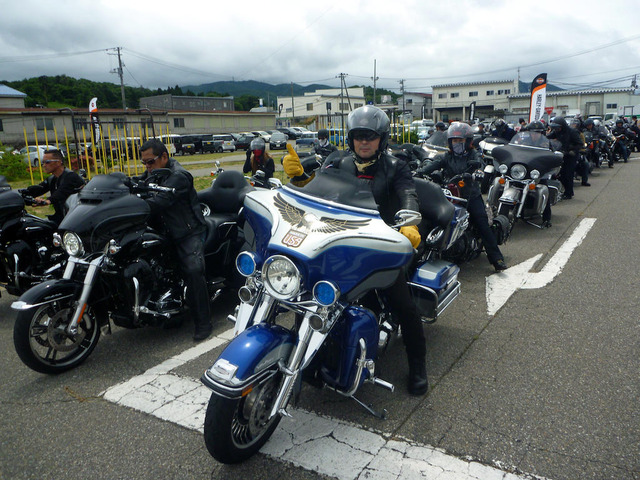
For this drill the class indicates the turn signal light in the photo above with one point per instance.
(502, 181)
(532, 186)
(461, 183)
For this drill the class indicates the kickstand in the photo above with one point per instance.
(535, 224)
(381, 415)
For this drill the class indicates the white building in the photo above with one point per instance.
(328, 106)
(452, 101)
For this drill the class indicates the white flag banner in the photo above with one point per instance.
(538, 96)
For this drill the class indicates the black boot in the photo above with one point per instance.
(202, 332)
(418, 383)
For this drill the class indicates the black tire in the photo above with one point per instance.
(219, 150)
(234, 430)
(43, 345)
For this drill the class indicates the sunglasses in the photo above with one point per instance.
(367, 135)
(47, 162)
(150, 162)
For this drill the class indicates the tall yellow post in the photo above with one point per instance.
(26, 144)
(84, 138)
(35, 134)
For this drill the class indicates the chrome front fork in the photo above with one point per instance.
(89, 280)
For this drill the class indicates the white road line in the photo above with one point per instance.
(314, 442)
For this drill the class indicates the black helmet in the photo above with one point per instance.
(372, 119)
(257, 144)
(499, 123)
(323, 133)
(460, 130)
(441, 126)
(619, 121)
(588, 121)
(559, 122)
(536, 127)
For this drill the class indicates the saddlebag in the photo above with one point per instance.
(433, 286)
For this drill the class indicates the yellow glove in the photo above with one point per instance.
(291, 163)
(412, 234)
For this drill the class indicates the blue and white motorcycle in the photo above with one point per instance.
(316, 252)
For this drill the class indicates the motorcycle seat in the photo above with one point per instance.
(214, 232)
(436, 210)
(227, 193)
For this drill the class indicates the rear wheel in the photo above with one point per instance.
(235, 429)
(42, 342)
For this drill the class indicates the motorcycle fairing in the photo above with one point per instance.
(532, 158)
(11, 204)
(365, 249)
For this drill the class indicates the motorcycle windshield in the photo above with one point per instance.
(531, 139)
(336, 187)
(541, 159)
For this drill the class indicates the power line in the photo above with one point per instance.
(28, 58)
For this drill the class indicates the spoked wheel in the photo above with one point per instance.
(42, 342)
(235, 429)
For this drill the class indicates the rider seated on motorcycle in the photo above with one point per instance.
(259, 159)
(179, 216)
(439, 137)
(462, 159)
(393, 188)
(324, 148)
(502, 130)
(61, 183)
(621, 130)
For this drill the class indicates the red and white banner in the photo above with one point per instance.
(538, 96)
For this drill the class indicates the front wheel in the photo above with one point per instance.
(42, 342)
(235, 429)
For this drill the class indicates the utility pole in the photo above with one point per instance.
(119, 71)
(342, 84)
(402, 90)
(374, 78)
(293, 107)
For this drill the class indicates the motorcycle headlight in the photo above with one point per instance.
(72, 244)
(518, 172)
(281, 277)
(503, 169)
(535, 174)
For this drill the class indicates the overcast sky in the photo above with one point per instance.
(586, 43)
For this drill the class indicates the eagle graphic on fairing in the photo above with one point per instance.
(300, 219)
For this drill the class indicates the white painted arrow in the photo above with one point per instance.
(500, 286)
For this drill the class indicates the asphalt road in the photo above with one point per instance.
(548, 385)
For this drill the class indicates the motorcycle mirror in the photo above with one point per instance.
(406, 218)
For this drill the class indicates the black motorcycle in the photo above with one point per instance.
(120, 269)
(27, 253)
(528, 181)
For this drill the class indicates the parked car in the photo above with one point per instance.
(290, 133)
(224, 143)
(208, 145)
(301, 130)
(266, 136)
(188, 144)
(307, 139)
(243, 140)
(32, 154)
(278, 141)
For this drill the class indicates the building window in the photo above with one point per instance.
(409, 101)
(612, 105)
(504, 92)
(42, 123)
(343, 106)
(309, 107)
(358, 105)
(118, 122)
(1, 128)
(288, 109)
(489, 92)
(178, 123)
(455, 95)
(442, 95)
(473, 94)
